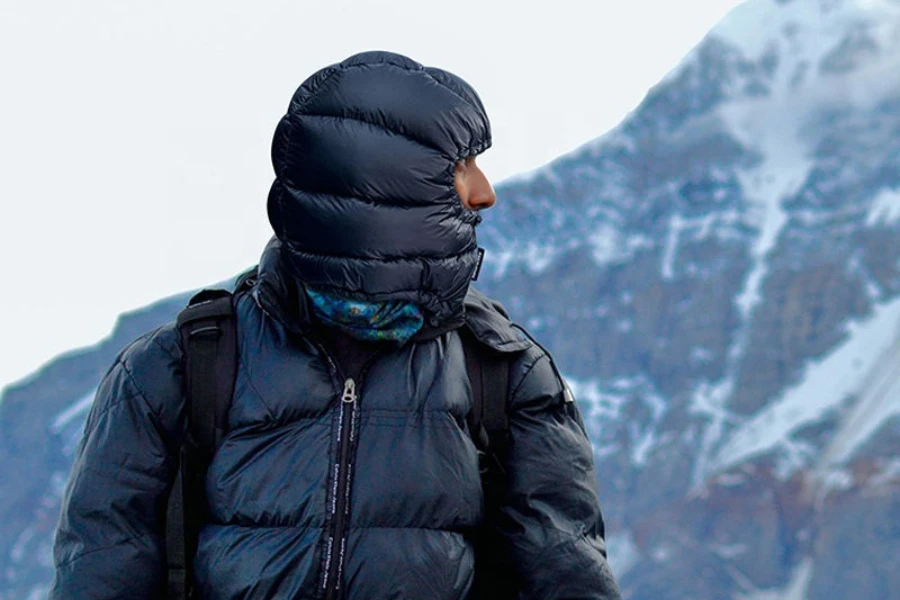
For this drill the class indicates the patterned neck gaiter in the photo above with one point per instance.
(370, 321)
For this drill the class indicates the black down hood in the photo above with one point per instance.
(363, 199)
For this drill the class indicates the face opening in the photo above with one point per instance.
(474, 189)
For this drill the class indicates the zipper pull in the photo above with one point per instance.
(349, 391)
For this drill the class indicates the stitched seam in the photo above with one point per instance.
(416, 259)
(123, 397)
(89, 552)
(577, 539)
(249, 379)
(568, 534)
(141, 393)
(384, 422)
(378, 126)
(411, 527)
(311, 91)
(287, 150)
(411, 413)
(527, 373)
(159, 345)
(255, 527)
(422, 70)
(279, 202)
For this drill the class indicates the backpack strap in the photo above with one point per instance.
(488, 373)
(208, 337)
(488, 424)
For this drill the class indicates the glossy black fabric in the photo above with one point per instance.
(416, 492)
(364, 205)
(364, 196)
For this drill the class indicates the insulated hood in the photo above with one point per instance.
(363, 199)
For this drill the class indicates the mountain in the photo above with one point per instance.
(719, 280)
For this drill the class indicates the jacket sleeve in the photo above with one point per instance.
(109, 541)
(550, 526)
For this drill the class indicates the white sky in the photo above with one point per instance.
(134, 136)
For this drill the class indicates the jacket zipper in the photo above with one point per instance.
(340, 501)
(335, 551)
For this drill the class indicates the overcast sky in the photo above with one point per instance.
(134, 136)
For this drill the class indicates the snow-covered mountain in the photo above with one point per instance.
(719, 278)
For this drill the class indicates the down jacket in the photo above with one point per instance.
(412, 494)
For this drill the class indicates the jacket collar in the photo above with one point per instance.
(279, 294)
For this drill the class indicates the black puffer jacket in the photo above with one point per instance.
(413, 496)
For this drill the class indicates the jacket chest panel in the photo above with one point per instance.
(408, 446)
(281, 386)
(426, 376)
(275, 477)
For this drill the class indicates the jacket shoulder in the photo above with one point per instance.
(490, 324)
(535, 379)
(149, 367)
(154, 354)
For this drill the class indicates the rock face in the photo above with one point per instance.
(41, 421)
(719, 279)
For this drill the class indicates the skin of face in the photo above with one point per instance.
(472, 185)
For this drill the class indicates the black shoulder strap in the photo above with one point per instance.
(208, 335)
(488, 423)
(488, 373)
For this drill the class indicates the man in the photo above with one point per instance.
(347, 470)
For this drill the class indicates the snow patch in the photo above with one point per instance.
(77, 409)
(796, 588)
(808, 29)
(610, 247)
(857, 267)
(826, 383)
(700, 354)
(17, 552)
(499, 261)
(644, 445)
(730, 480)
(601, 452)
(729, 551)
(889, 474)
(710, 400)
(836, 479)
(538, 256)
(878, 401)
(768, 125)
(662, 553)
(794, 456)
(606, 244)
(600, 405)
(676, 224)
(38, 592)
(623, 553)
(885, 208)
(603, 409)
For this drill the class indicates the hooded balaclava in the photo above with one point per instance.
(364, 201)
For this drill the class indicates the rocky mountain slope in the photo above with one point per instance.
(719, 278)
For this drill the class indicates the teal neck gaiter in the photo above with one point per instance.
(369, 321)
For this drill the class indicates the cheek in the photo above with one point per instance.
(461, 189)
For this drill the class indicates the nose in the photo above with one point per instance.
(480, 191)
